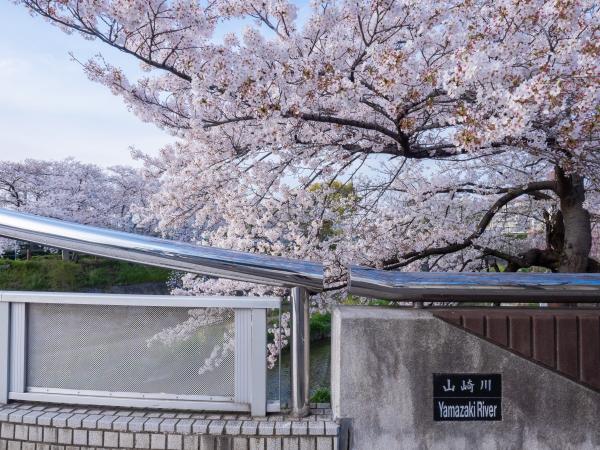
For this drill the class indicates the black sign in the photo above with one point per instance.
(467, 396)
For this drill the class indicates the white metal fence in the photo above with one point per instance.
(179, 352)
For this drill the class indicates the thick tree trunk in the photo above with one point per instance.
(577, 242)
(577, 225)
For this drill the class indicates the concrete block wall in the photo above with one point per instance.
(47, 427)
(383, 361)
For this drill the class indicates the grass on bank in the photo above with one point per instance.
(51, 273)
(321, 395)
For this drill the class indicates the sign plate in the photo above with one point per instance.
(467, 396)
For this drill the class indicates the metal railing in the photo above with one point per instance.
(476, 287)
(165, 253)
(130, 350)
(302, 276)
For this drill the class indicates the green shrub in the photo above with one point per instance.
(62, 275)
(98, 277)
(321, 395)
(320, 326)
(135, 273)
(51, 273)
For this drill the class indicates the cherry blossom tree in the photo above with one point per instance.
(71, 190)
(407, 135)
(450, 120)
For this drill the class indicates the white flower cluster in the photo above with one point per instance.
(281, 332)
(219, 354)
(184, 331)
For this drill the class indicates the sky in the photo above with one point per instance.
(48, 107)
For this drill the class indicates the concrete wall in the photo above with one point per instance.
(382, 365)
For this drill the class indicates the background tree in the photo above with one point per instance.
(448, 118)
(74, 191)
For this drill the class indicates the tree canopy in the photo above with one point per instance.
(455, 122)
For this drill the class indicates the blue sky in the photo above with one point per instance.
(48, 107)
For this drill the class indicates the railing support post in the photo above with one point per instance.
(4, 350)
(300, 362)
(258, 406)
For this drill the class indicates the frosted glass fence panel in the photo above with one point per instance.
(129, 349)
(204, 353)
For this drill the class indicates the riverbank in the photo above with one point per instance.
(86, 274)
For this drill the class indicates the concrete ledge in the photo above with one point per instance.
(27, 426)
(382, 365)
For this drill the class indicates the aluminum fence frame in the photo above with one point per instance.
(250, 354)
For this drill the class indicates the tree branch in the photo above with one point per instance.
(512, 194)
(84, 28)
(347, 122)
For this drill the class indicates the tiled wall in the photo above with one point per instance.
(39, 427)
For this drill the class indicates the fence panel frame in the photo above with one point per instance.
(250, 316)
(4, 351)
(18, 347)
(259, 355)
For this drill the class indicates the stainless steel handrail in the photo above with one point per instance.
(271, 270)
(474, 287)
(203, 260)
(303, 276)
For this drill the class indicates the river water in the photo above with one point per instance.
(320, 372)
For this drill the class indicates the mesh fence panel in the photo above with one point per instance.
(120, 349)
